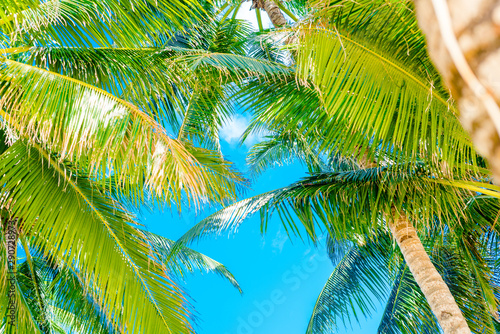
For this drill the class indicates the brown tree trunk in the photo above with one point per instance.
(275, 15)
(273, 11)
(468, 56)
(435, 290)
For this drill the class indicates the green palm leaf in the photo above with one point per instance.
(225, 220)
(91, 235)
(146, 77)
(96, 129)
(104, 22)
(349, 200)
(407, 310)
(283, 148)
(187, 260)
(358, 277)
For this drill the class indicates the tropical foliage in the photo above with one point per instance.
(109, 105)
(55, 298)
(349, 205)
(362, 85)
(91, 94)
(366, 89)
(78, 232)
(372, 269)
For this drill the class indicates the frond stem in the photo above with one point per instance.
(387, 61)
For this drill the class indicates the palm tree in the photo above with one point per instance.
(368, 89)
(88, 94)
(362, 86)
(360, 203)
(369, 268)
(462, 43)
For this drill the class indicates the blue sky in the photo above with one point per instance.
(280, 277)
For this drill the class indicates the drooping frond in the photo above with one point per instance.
(359, 277)
(354, 199)
(406, 310)
(75, 223)
(106, 135)
(215, 78)
(282, 147)
(351, 201)
(225, 220)
(186, 260)
(105, 22)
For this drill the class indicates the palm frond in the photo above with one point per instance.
(145, 76)
(87, 23)
(108, 135)
(465, 287)
(74, 222)
(282, 148)
(73, 304)
(406, 310)
(186, 260)
(17, 311)
(359, 277)
(351, 201)
(225, 220)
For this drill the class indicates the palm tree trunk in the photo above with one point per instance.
(275, 15)
(273, 11)
(462, 38)
(436, 291)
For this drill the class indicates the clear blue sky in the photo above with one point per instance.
(280, 277)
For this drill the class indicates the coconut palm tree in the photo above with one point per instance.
(359, 203)
(364, 85)
(370, 268)
(89, 92)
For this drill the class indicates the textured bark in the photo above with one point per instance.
(274, 13)
(436, 291)
(476, 25)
